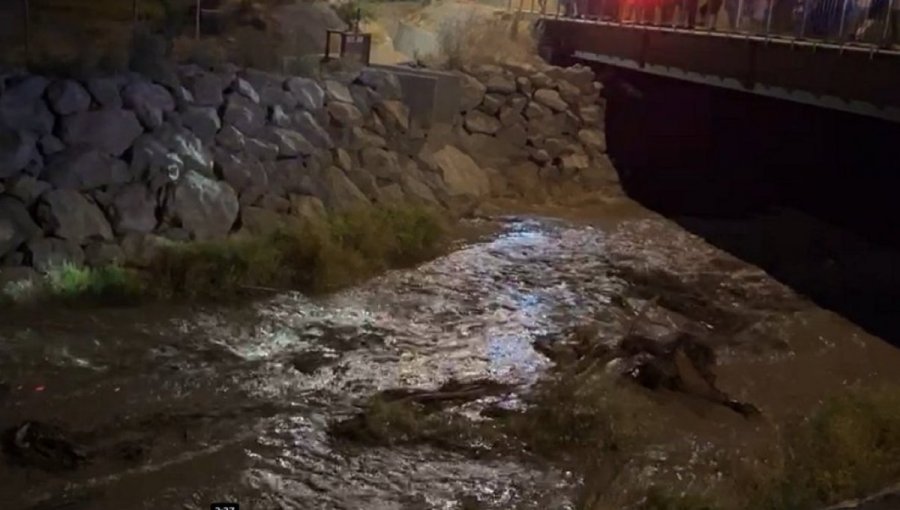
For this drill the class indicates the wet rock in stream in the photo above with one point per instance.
(44, 446)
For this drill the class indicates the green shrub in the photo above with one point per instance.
(308, 256)
(108, 283)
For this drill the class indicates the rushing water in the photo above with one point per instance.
(179, 407)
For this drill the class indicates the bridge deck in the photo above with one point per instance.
(860, 78)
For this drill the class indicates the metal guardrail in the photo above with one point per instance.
(864, 25)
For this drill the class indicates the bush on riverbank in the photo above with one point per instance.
(849, 448)
(312, 256)
(112, 283)
(75, 284)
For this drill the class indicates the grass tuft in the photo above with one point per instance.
(308, 256)
(850, 448)
(108, 283)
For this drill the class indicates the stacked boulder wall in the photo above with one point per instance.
(107, 168)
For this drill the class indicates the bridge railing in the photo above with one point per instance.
(871, 23)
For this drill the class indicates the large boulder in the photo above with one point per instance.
(261, 79)
(16, 225)
(245, 115)
(149, 101)
(414, 186)
(261, 149)
(106, 91)
(310, 128)
(22, 106)
(27, 189)
(479, 122)
(501, 83)
(524, 85)
(343, 159)
(492, 103)
(514, 135)
(569, 93)
(133, 210)
(461, 174)
(109, 131)
(572, 163)
(536, 112)
(580, 76)
(593, 140)
(337, 91)
(385, 83)
(381, 163)
(51, 252)
(551, 99)
(366, 183)
(50, 145)
(17, 150)
(489, 151)
(510, 115)
(190, 150)
(293, 176)
(67, 97)
(232, 139)
(472, 92)
(84, 168)
(308, 93)
(360, 138)
(307, 207)
(203, 121)
(364, 97)
(152, 161)
(206, 88)
(591, 115)
(395, 114)
(206, 208)
(247, 90)
(67, 214)
(338, 192)
(291, 144)
(277, 96)
(241, 171)
(345, 114)
(278, 117)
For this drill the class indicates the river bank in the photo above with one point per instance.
(180, 406)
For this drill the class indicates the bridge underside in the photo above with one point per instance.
(858, 80)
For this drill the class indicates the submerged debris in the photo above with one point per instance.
(44, 446)
(419, 416)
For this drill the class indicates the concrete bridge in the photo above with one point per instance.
(858, 78)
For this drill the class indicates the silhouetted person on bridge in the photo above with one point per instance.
(690, 14)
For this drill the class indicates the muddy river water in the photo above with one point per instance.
(178, 407)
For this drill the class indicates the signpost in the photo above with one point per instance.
(352, 44)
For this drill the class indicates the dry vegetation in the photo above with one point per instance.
(80, 37)
(472, 38)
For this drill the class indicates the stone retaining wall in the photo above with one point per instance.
(93, 171)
